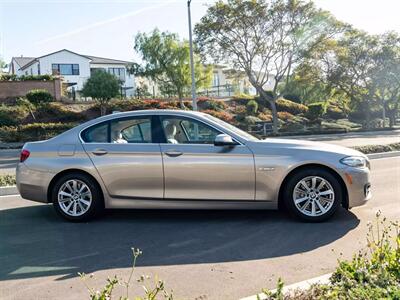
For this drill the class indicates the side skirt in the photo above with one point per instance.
(150, 203)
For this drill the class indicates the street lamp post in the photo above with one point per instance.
(194, 100)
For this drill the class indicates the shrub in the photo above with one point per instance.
(12, 115)
(32, 132)
(334, 112)
(285, 116)
(242, 99)
(316, 110)
(7, 180)
(57, 112)
(39, 96)
(378, 148)
(263, 116)
(252, 107)
(211, 104)
(13, 77)
(251, 120)
(227, 117)
(294, 108)
(373, 273)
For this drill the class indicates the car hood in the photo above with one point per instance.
(309, 145)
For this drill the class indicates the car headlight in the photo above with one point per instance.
(354, 161)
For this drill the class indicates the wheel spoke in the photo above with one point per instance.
(313, 182)
(327, 192)
(320, 206)
(313, 208)
(321, 184)
(304, 184)
(297, 201)
(62, 193)
(87, 203)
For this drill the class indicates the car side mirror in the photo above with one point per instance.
(224, 140)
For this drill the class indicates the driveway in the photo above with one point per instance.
(208, 254)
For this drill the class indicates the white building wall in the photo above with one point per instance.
(66, 57)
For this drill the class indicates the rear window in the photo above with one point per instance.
(96, 134)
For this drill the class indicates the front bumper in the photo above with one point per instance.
(358, 185)
(32, 184)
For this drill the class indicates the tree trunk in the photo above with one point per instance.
(383, 113)
(180, 96)
(103, 109)
(274, 116)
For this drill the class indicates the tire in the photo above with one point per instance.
(313, 195)
(77, 197)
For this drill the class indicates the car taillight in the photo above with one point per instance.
(24, 155)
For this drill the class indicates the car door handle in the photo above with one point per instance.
(99, 152)
(173, 153)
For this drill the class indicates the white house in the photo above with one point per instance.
(74, 68)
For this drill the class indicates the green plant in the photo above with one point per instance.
(7, 180)
(12, 115)
(32, 132)
(106, 293)
(252, 107)
(285, 116)
(13, 77)
(101, 87)
(223, 115)
(57, 112)
(39, 96)
(294, 108)
(335, 112)
(315, 111)
(372, 273)
(378, 148)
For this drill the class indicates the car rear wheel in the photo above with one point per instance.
(313, 195)
(77, 197)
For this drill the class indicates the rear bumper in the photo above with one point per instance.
(32, 184)
(358, 185)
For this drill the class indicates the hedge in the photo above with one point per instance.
(32, 132)
(294, 108)
(39, 96)
(13, 77)
(316, 110)
(12, 115)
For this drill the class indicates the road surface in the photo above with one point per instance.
(207, 254)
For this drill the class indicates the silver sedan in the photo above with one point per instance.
(187, 160)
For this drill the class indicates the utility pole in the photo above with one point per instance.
(194, 100)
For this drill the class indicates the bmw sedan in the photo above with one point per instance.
(187, 160)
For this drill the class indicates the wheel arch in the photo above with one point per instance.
(345, 201)
(70, 171)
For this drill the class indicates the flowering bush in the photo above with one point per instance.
(285, 116)
(223, 115)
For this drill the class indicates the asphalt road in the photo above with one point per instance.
(199, 254)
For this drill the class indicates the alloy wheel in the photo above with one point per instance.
(74, 197)
(313, 196)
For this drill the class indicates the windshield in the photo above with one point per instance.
(243, 134)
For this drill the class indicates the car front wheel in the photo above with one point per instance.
(313, 195)
(77, 197)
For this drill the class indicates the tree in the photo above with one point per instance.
(3, 65)
(386, 76)
(266, 39)
(166, 61)
(102, 87)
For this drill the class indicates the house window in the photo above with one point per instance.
(215, 79)
(93, 70)
(65, 69)
(38, 69)
(119, 72)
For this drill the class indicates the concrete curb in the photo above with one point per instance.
(302, 285)
(383, 154)
(8, 190)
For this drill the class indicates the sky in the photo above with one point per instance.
(107, 28)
